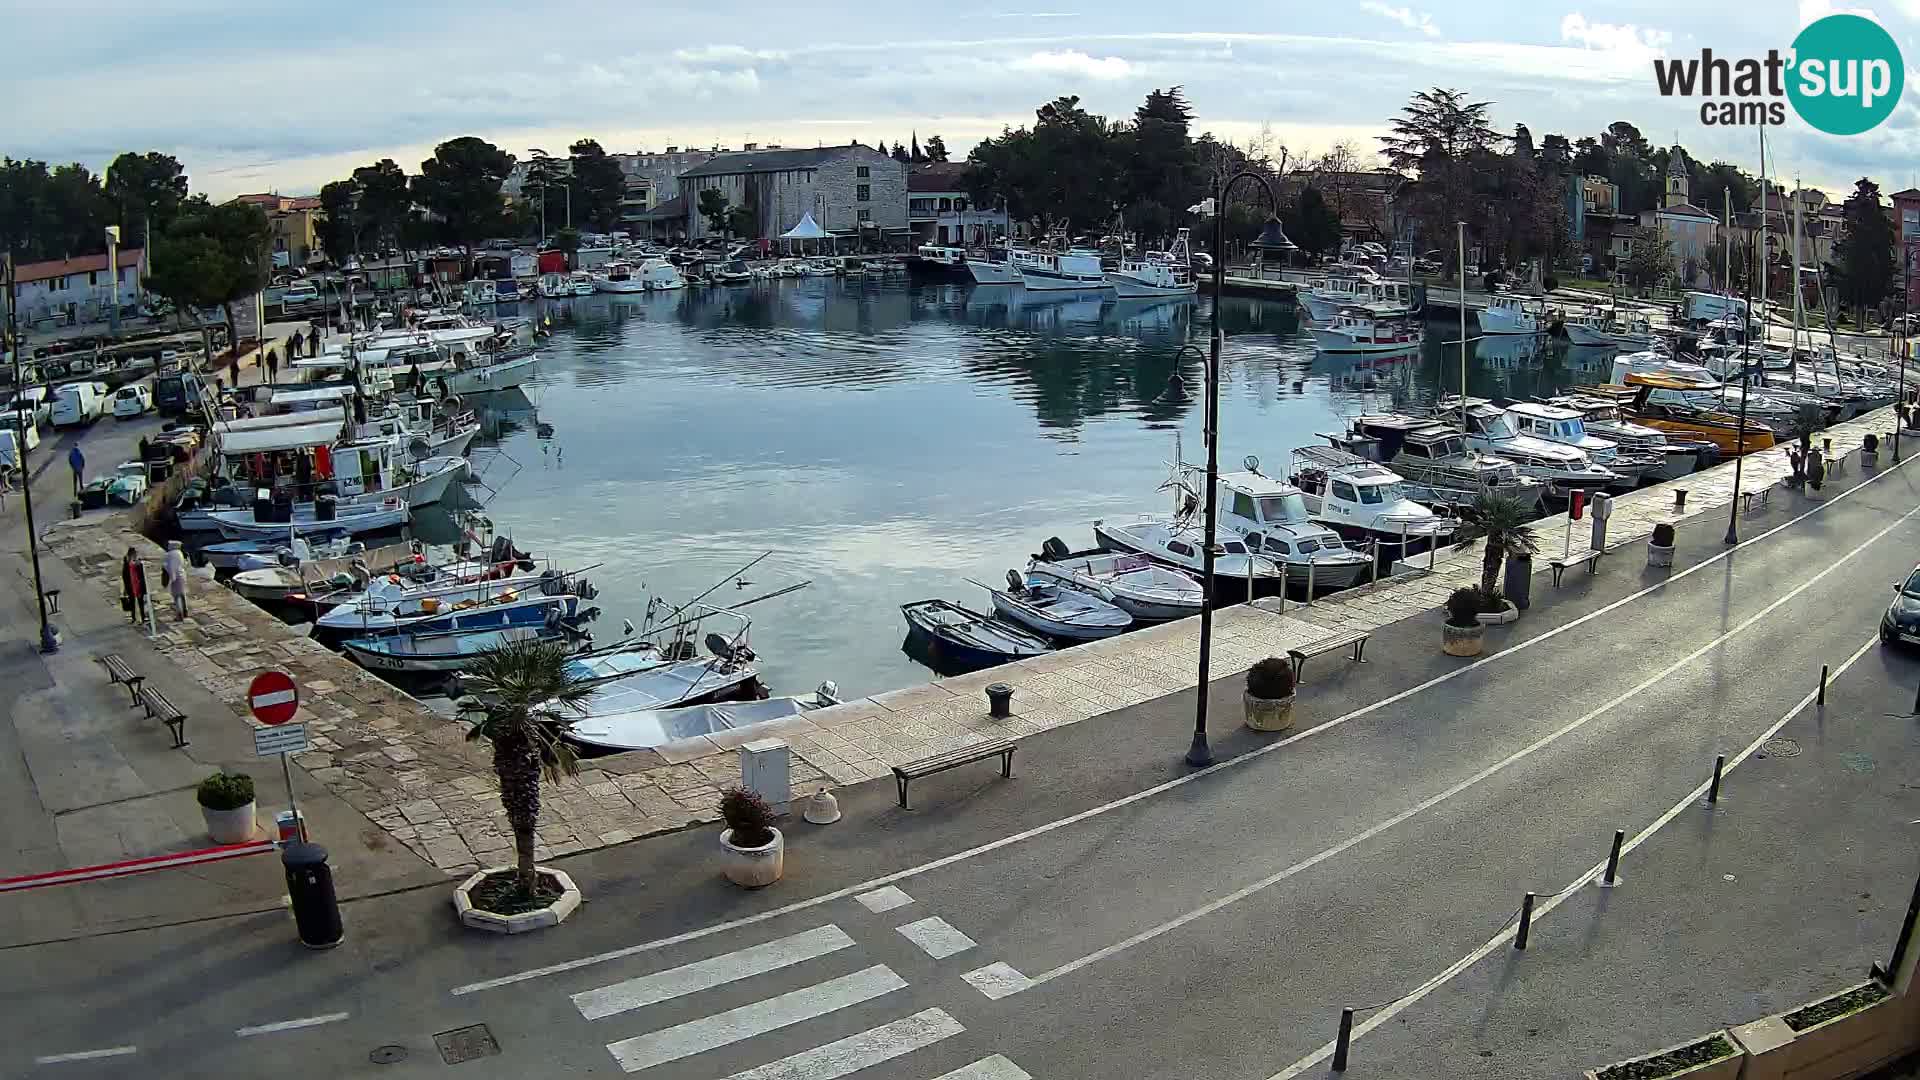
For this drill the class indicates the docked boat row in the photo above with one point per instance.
(1152, 274)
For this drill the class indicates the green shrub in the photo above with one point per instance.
(1271, 678)
(748, 815)
(226, 791)
(1663, 535)
(1462, 606)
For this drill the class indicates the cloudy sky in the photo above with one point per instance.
(254, 96)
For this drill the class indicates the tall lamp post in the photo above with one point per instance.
(1272, 238)
(1740, 435)
(49, 640)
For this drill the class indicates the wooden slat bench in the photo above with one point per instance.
(170, 715)
(1591, 559)
(952, 759)
(1331, 643)
(119, 673)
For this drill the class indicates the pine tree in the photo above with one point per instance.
(1863, 265)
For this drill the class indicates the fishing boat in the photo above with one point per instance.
(938, 261)
(1434, 461)
(555, 286)
(1564, 469)
(962, 639)
(580, 284)
(311, 518)
(1325, 297)
(1057, 271)
(1356, 331)
(1364, 500)
(618, 277)
(478, 610)
(647, 728)
(1510, 315)
(506, 290)
(1271, 517)
(1679, 457)
(1568, 427)
(1662, 404)
(293, 550)
(1133, 583)
(1057, 611)
(480, 292)
(1177, 542)
(1157, 273)
(447, 651)
(986, 271)
(732, 672)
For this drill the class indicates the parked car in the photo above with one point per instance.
(79, 403)
(1901, 623)
(36, 402)
(300, 292)
(133, 399)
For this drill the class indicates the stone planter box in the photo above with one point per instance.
(1268, 714)
(1658, 556)
(1725, 1067)
(753, 867)
(1849, 1045)
(1505, 615)
(235, 826)
(551, 915)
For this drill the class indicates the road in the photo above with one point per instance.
(1108, 914)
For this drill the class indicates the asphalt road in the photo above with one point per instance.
(1109, 915)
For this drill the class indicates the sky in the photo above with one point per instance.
(255, 97)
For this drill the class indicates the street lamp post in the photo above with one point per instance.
(1740, 435)
(113, 276)
(49, 640)
(1272, 237)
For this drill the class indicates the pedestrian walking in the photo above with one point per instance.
(133, 585)
(78, 461)
(174, 574)
(273, 367)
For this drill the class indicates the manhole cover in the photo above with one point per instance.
(1858, 762)
(466, 1044)
(1779, 748)
(387, 1055)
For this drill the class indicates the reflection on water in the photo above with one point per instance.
(888, 441)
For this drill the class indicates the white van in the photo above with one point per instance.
(79, 403)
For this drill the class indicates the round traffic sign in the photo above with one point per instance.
(273, 697)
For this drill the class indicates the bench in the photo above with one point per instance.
(53, 601)
(1759, 498)
(953, 759)
(1590, 558)
(1332, 643)
(119, 673)
(169, 714)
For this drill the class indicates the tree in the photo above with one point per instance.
(567, 240)
(1502, 520)
(384, 202)
(1149, 220)
(1445, 139)
(936, 148)
(212, 256)
(1312, 224)
(461, 183)
(147, 190)
(713, 207)
(598, 185)
(1863, 266)
(1651, 260)
(52, 213)
(741, 223)
(900, 153)
(339, 223)
(523, 701)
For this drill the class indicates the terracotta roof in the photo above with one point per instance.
(53, 268)
(1910, 193)
(936, 176)
(1687, 210)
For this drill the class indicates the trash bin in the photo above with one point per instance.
(310, 889)
(1518, 585)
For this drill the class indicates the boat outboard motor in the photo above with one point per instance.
(501, 550)
(362, 576)
(719, 646)
(285, 557)
(827, 693)
(1016, 582)
(1054, 549)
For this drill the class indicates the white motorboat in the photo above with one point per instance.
(1679, 457)
(659, 275)
(1365, 500)
(1272, 518)
(648, 728)
(1507, 314)
(1057, 611)
(1587, 331)
(1434, 461)
(818, 267)
(986, 272)
(1354, 332)
(1057, 271)
(1325, 297)
(502, 374)
(390, 603)
(1177, 543)
(555, 286)
(1133, 583)
(480, 293)
(1561, 425)
(618, 277)
(580, 284)
(446, 651)
(1156, 274)
(1564, 469)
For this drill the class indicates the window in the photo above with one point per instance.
(1373, 495)
(862, 172)
(1179, 547)
(946, 206)
(863, 193)
(1243, 505)
(1344, 491)
(1233, 547)
(864, 215)
(93, 277)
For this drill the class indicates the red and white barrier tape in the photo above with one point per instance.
(136, 866)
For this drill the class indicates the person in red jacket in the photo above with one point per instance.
(133, 580)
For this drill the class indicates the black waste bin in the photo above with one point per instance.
(1518, 586)
(310, 887)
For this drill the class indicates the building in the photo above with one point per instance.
(652, 180)
(852, 191)
(1906, 224)
(295, 224)
(664, 221)
(940, 212)
(1595, 222)
(79, 291)
(1688, 230)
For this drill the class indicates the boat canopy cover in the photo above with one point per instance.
(808, 229)
(308, 395)
(294, 431)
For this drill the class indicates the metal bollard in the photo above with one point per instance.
(1310, 568)
(1613, 860)
(1916, 701)
(1713, 792)
(999, 700)
(1679, 499)
(1342, 1040)
(1822, 699)
(1526, 923)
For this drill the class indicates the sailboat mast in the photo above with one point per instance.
(1793, 349)
(1463, 326)
(1764, 193)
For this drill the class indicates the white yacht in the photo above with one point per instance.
(1177, 543)
(618, 277)
(1555, 423)
(1435, 462)
(1272, 517)
(1157, 274)
(1507, 314)
(659, 274)
(1355, 331)
(1133, 583)
(580, 284)
(1053, 271)
(1564, 469)
(1325, 297)
(1364, 500)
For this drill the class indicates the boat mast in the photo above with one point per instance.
(1793, 349)
(1764, 193)
(1462, 226)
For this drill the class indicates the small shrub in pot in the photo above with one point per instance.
(226, 791)
(1663, 535)
(1271, 678)
(1870, 444)
(748, 817)
(1462, 634)
(1462, 606)
(754, 851)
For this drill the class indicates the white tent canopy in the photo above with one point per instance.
(808, 229)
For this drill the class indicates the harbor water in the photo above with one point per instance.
(890, 441)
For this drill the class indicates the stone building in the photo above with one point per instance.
(941, 212)
(1688, 230)
(853, 192)
(295, 221)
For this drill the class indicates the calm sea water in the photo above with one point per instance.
(888, 442)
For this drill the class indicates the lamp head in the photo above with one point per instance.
(1274, 238)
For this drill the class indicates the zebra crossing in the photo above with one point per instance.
(675, 1044)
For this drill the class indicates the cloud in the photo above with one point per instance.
(726, 54)
(1405, 16)
(1075, 62)
(1034, 15)
(1626, 43)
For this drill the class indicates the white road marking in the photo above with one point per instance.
(988, 1068)
(1158, 789)
(856, 1052)
(85, 1055)
(997, 980)
(1434, 800)
(721, 1029)
(936, 937)
(1500, 939)
(290, 1025)
(884, 899)
(707, 974)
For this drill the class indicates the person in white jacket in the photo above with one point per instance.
(176, 574)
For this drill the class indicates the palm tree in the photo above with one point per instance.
(1502, 519)
(521, 697)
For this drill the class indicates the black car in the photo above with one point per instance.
(1902, 620)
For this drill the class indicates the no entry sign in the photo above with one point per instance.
(273, 697)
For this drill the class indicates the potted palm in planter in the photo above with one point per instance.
(755, 850)
(1660, 546)
(1269, 695)
(1502, 521)
(1463, 634)
(521, 701)
(226, 804)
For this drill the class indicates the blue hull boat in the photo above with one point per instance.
(445, 652)
(957, 639)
